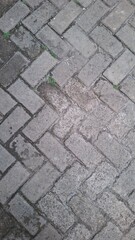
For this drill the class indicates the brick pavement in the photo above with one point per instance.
(67, 119)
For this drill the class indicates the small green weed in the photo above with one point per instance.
(116, 87)
(44, 47)
(6, 35)
(51, 81)
(53, 54)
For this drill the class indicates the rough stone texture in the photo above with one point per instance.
(39, 68)
(40, 183)
(12, 69)
(13, 16)
(12, 181)
(36, 127)
(130, 235)
(111, 2)
(54, 151)
(78, 233)
(92, 70)
(128, 87)
(6, 159)
(33, 3)
(119, 15)
(26, 96)
(85, 3)
(116, 210)
(7, 48)
(13, 123)
(25, 214)
(129, 141)
(6, 222)
(60, 3)
(65, 17)
(57, 212)
(49, 233)
(18, 234)
(120, 68)
(6, 102)
(118, 155)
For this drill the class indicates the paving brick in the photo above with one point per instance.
(26, 215)
(107, 93)
(57, 212)
(37, 126)
(33, 3)
(120, 68)
(128, 87)
(96, 121)
(10, 183)
(84, 151)
(26, 153)
(11, 18)
(103, 177)
(111, 2)
(5, 5)
(85, 3)
(6, 102)
(87, 212)
(86, 99)
(69, 183)
(132, 20)
(129, 141)
(26, 96)
(79, 232)
(26, 42)
(53, 41)
(6, 159)
(116, 210)
(13, 123)
(40, 183)
(65, 17)
(131, 234)
(55, 151)
(124, 121)
(49, 233)
(6, 223)
(107, 41)
(7, 48)
(71, 119)
(56, 97)
(94, 68)
(39, 17)
(68, 67)
(17, 234)
(92, 15)
(80, 41)
(109, 232)
(39, 68)
(12, 69)
(131, 200)
(119, 15)
(119, 156)
(60, 3)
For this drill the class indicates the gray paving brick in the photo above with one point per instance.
(107, 93)
(17, 234)
(6, 159)
(26, 215)
(49, 233)
(26, 96)
(84, 151)
(92, 15)
(60, 3)
(128, 87)
(119, 15)
(37, 126)
(26, 42)
(119, 156)
(6, 102)
(80, 41)
(10, 183)
(111, 2)
(6, 222)
(12, 69)
(62, 217)
(96, 121)
(69, 183)
(129, 141)
(56, 152)
(39, 17)
(56, 97)
(40, 183)
(33, 3)
(39, 68)
(132, 20)
(79, 232)
(131, 234)
(120, 68)
(53, 41)
(103, 177)
(68, 67)
(107, 41)
(70, 119)
(131, 200)
(94, 68)
(84, 208)
(124, 121)
(116, 210)
(65, 17)
(26, 153)
(86, 99)
(13, 16)
(85, 3)
(13, 123)
(7, 49)
(109, 232)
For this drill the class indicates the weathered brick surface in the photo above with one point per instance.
(128, 87)
(49, 232)
(79, 232)
(6, 102)
(6, 159)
